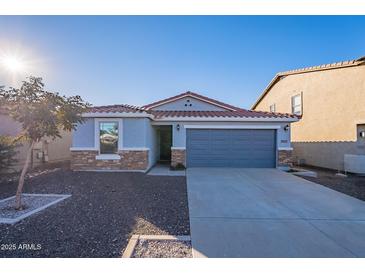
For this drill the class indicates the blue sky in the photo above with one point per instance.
(140, 59)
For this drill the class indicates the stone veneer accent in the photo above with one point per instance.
(134, 159)
(129, 160)
(177, 157)
(285, 158)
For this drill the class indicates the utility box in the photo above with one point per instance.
(354, 163)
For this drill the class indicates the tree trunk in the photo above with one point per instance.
(18, 197)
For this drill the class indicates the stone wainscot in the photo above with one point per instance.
(178, 157)
(129, 160)
(285, 158)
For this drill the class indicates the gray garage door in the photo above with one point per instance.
(231, 148)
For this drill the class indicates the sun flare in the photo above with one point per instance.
(18, 62)
(13, 64)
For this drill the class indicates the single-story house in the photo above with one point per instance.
(187, 130)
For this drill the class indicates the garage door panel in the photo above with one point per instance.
(231, 148)
(259, 146)
(239, 143)
(263, 143)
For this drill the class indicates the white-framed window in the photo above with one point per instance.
(273, 108)
(296, 104)
(108, 137)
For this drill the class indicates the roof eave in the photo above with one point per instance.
(266, 90)
(181, 119)
(228, 119)
(117, 115)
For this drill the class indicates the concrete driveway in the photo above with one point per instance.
(270, 213)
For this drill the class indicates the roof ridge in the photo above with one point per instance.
(324, 66)
(190, 93)
(118, 105)
(226, 110)
(117, 108)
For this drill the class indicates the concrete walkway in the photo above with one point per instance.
(164, 170)
(270, 213)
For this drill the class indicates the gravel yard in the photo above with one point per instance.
(105, 209)
(352, 185)
(30, 202)
(162, 249)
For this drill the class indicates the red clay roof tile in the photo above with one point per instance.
(115, 109)
(231, 111)
(158, 114)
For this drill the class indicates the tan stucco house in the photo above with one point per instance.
(331, 100)
(46, 151)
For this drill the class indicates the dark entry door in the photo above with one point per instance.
(165, 143)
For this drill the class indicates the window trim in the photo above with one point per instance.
(97, 122)
(107, 157)
(112, 124)
(272, 105)
(301, 103)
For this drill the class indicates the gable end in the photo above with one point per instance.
(190, 101)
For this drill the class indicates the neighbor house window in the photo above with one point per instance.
(296, 104)
(108, 137)
(272, 108)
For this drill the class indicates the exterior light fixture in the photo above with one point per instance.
(286, 128)
(178, 127)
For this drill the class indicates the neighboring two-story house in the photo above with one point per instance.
(331, 100)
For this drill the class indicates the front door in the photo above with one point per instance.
(165, 143)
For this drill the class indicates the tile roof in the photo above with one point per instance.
(158, 114)
(280, 75)
(230, 112)
(116, 109)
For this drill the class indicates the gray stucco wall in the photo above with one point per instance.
(83, 136)
(137, 133)
(134, 132)
(283, 137)
(195, 105)
(152, 143)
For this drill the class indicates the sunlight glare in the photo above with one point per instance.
(12, 63)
